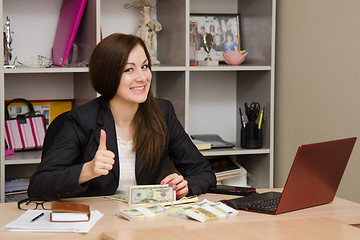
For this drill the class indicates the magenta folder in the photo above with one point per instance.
(69, 20)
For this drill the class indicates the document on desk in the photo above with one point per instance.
(24, 223)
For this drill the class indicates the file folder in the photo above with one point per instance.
(69, 20)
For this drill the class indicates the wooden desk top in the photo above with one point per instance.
(340, 210)
(280, 229)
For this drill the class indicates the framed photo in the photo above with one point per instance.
(49, 108)
(225, 29)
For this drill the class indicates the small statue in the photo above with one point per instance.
(7, 44)
(148, 28)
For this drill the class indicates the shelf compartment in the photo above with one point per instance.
(34, 24)
(25, 157)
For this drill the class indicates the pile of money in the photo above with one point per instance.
(203, 211)
(155, 200)
(150, 194)
(141, 212)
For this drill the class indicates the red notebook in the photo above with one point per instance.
(69, 20)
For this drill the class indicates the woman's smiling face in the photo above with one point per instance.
(136, 78)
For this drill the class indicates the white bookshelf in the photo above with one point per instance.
(206, 99)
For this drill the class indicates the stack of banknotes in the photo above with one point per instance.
(141, 212)
(202, 212)
(207, 211)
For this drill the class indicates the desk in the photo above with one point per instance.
(342, 211)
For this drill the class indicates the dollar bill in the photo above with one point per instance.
(151, 194)
(182, 201)
(118, 197)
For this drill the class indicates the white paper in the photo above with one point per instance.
(43, 224)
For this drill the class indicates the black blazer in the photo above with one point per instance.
(58, 173)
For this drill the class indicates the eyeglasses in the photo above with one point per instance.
(32, 204)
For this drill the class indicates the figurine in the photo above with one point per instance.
(7, 44)
(148, 28)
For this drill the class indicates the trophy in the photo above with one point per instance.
(208, 43)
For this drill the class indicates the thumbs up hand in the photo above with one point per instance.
(104, 159)
(101, 164)
(102, 144)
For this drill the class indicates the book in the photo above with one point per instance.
(69, 212)
(215, 140)
(201, 145)
(16, 185)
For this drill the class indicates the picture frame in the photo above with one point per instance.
(225, 29)
(49, 108)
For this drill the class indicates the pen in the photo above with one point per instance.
(242, 119)
(261, 117)
(37, 217)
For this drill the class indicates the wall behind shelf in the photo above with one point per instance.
(114, 17)
(211, 6)
(213, 104)
(317, 79)
(43, 86)
(37, 32)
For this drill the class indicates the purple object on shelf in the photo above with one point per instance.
(69, 20)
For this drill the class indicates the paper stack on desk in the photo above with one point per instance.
(43, 224)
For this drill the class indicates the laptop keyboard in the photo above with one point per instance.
(263, 204)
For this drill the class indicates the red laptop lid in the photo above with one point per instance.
(315, 174)
(70, 17)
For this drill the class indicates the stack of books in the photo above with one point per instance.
(15, 186)
(225, 168)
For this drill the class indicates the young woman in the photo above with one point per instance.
(121, 138)
(230, 44)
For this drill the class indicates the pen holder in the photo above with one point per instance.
(251, 136)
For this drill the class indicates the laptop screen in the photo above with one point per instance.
(315, 174)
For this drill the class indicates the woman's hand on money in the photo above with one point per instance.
(179, 184)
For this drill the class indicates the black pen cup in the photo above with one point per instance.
(251, 136)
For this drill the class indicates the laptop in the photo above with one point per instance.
(313, 180)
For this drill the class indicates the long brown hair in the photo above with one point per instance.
(106, 66)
